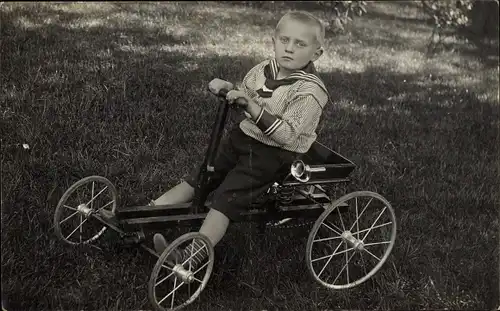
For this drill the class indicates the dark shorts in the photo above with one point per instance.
(244, 170)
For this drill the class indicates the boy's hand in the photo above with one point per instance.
(218, 84)
(252, 109)
(233, 96)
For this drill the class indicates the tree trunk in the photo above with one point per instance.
(484, 17)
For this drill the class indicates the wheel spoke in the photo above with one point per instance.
(167, 267)
(173, 295)
(198, 280)
(364, 263)
(69, 207)
(371, 254)
(346, 264)
(377, 226)
(76, 229)
(175, 288)
(331, 256)
(92, 203)
(165, 278)
(377, 243)
(200, 268)
(357, 219)
(105, 205)
(65, 219)
(335, 226)
(327, 239)
(320, 258)
(188, 259)
(81, 228)
(93, 198)
(341, 220)
(333, 230)
(373, 225)
(347, 261)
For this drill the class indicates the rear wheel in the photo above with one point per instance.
(346, 249)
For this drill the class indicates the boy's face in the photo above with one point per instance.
(295, 45)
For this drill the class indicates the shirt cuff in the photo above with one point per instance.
(267, 122)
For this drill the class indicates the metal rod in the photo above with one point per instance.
(340, 165)
(148, 208)
(200, 191)
(317, 169)
(302, 211)
(314, 182)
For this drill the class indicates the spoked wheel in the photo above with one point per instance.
(346, 249)
(177, 281)
(73, 221)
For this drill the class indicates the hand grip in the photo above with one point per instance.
(216, 85)
(221, 88)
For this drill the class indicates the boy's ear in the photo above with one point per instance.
(318, 53)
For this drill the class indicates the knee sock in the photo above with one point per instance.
(196, 249)
(214, 227)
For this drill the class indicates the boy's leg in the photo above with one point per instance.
(184, 192)
(249, 179)
(181, 193)
(214, 227)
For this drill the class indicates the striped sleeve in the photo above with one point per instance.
(300, 117)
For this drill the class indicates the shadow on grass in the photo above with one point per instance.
(481, 47)
(413, 7)
(89, 103)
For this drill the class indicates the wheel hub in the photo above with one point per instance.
(185, 275)
(83, 209)
(356, 244)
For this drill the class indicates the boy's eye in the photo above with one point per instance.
(300, 43)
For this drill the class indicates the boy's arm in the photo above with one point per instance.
(302, 114)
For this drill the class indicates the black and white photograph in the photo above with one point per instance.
(250, 155)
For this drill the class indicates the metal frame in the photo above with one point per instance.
(198, 208)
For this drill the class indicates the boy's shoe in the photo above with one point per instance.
(108, 216)
(180, 256)
(160, 244)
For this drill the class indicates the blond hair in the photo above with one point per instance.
(306, 18)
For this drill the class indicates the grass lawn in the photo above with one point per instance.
(119, 90)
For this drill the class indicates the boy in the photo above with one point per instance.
(285, 98)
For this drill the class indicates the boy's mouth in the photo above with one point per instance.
(287, 58)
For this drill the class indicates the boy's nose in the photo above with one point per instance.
(289, 47)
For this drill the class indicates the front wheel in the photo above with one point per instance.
(347, 248)
(73, 219)
(174, 285)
